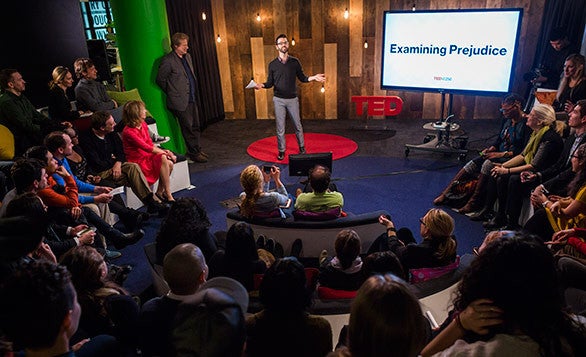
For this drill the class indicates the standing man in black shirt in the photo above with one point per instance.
(282, 73)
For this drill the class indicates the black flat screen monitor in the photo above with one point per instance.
(299, 165)
(457, 51)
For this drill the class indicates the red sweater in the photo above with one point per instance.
(54, 199)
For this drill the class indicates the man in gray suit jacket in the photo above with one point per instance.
(177, 79)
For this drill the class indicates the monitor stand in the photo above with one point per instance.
(441, 140)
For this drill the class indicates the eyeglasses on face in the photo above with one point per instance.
(421, 221)
(282, 43)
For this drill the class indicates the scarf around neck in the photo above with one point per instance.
(533, 144)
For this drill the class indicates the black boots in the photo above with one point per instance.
(442, 197)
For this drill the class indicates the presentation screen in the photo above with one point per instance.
(456, 51)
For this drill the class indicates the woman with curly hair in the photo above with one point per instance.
(155, 163)
(564, 213)
(240, 260)
(437, 249)
(106, 307)
(186, 222)
(510, 303)
(256, 200)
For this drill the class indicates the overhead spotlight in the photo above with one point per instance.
(219, 39)
(258, 18)
(365, 44)
(292, 41)
(323, 89)
(346, 14)
(413, 8)
(203, 15)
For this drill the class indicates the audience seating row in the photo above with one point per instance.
(315, 235)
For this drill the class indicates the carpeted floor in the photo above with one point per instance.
(376, 176)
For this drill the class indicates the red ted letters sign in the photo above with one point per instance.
(379, 105)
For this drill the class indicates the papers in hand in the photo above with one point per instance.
(117, 190)
(251, 84)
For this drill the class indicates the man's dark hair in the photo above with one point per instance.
(280, 37)
(24, 172)
(557, 34)
(37, 152)
(319, 178)
(35, 300)
(99, 119)
(513, 98)
(582, 104)
(54, 141)
(6, 77)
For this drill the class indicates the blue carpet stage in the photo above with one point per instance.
(403, 187)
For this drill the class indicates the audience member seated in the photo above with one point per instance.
(284, 327)
(186, 222)
(383, 263)
(61, 146)
(573, 84)
(561, 213)
(511, 139)
(437, 249)
(385, 319)
(345, 270)
(90, 94)
(321, 200)
(257, 201)
(185, 270)
(106, 307)
(21, 239)
(18, 114)
(211, 323)
(65, 209)
(107, 161)
(60, 110)
(39, 309)
(554, 178)
(509, 303)
(542, 151)
(240, 260)
(60, 238)
(155, 163)
(27, 175)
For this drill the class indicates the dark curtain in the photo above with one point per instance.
(568, 14)
(185, 16)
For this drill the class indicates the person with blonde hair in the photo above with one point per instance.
(59, 104)
(437, 249)
(156, 163)
(573, 84)
(543, 150)
(256, 200)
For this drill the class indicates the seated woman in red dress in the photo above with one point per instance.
(155, 163)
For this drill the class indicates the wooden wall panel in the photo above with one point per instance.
(318, 27)
(356, 37)
(259, 70)
(331, 68)
(223, 57)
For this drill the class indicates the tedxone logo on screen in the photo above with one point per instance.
(441, 78)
